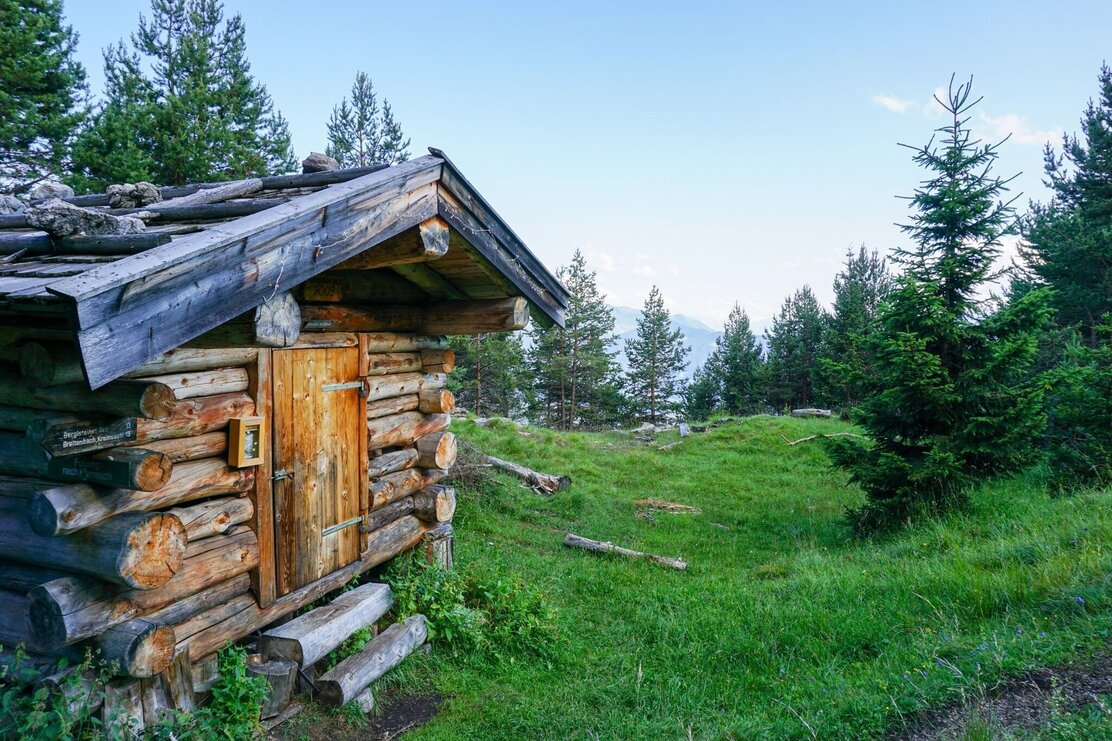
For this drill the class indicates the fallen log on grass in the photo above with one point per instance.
(811, 412)
(816, 437)
(595, 546)
(542, 483)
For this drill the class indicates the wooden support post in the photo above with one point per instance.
(428, 242)
(281, 679)
(440, 546)
(278, 321)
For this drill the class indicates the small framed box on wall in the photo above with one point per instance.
(246, 441)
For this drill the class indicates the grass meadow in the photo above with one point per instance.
(783, 626)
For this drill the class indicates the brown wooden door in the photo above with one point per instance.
(317, 423)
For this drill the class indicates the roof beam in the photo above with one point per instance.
(133, 309)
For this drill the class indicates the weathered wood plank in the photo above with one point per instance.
(214, 516)
(263, 579)
(403, 429)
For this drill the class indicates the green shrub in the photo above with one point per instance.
(471, 611)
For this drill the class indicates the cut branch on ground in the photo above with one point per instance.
(816, 437)
(572, 540)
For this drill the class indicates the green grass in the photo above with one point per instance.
(783, 626)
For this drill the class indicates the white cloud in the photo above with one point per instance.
(894, 104)
(600, 261)
(1020, 130)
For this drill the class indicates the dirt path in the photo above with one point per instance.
(1021, 704)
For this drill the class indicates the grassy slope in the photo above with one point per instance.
(782, 625)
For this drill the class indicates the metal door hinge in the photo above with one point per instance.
(341, 386)
(341, 526)
(279, 475)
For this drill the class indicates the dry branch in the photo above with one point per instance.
(542, 483)
(816, 437)
(595, 546)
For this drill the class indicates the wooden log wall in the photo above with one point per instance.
(119, 515)
(96, 486)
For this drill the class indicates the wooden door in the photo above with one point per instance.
(318, 417)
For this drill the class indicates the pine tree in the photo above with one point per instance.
(794, 344)
(490, 375)
(657, 357)
(700, 396)
(738, 367)
(181, 105)
(42, 88)
(362, 133)
(575, 368)
(949, 400)
(1069, 240)
(859, 289)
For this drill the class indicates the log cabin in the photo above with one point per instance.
(222, 402)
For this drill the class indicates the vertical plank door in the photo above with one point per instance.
(317, 423)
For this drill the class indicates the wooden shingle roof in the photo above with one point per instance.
(131, 297)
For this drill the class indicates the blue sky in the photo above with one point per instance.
(724, 151)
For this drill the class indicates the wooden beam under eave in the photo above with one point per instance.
(429, 241)
(445, 317)
(429, 281)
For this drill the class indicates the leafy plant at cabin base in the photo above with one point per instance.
(950, 398)
(68, 711)
(475, 612)
(233, 710)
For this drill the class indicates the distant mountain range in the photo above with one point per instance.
(698, 336)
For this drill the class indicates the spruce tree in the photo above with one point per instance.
(859, 289)
(490, 375)
(737, 366)
(1069, 240)
(362, 133)
(657, 356)
(949, 400)
(577, 375)
(42, 90)
(794, 344)
(181, 105)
